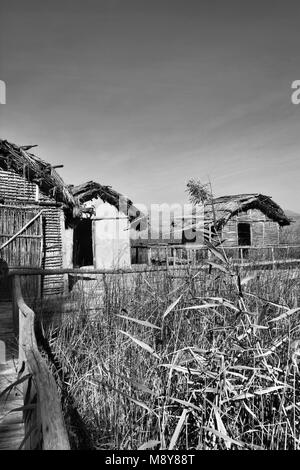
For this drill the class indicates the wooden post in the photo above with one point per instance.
(149, 255)
(167, 257)
(41, 261)
(15, 308)
(158, 256)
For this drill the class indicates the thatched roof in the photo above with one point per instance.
(91, 190)
(21, 161)
(226, 207)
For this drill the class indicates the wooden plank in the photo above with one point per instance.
(11, 422)
(48, 414)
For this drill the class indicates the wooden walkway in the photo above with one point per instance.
(11, 422)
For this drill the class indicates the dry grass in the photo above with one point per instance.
(205, 361)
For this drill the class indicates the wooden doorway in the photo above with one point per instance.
(244, 234)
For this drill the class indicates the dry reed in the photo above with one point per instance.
(193, 361)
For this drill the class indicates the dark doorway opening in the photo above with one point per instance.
(244, 234)
(244, 238)
(83, 244)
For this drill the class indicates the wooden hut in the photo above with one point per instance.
(246, 220)
(101, 236)
(249, 226)
(34, 202)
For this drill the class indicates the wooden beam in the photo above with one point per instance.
(28, 147)
(27, 271)
(109, 218)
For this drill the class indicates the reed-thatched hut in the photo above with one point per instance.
(101, 238)
(247, 220)
(34, 202)
(240, 220)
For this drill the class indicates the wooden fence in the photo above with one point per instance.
(172, 255)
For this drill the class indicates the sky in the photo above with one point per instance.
(143, 95)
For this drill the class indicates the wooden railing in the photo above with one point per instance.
(43, 419)
(194, 254)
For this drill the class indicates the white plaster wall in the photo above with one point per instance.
(68, 234)
(2, 352)
(111, 242)
(67, 250)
